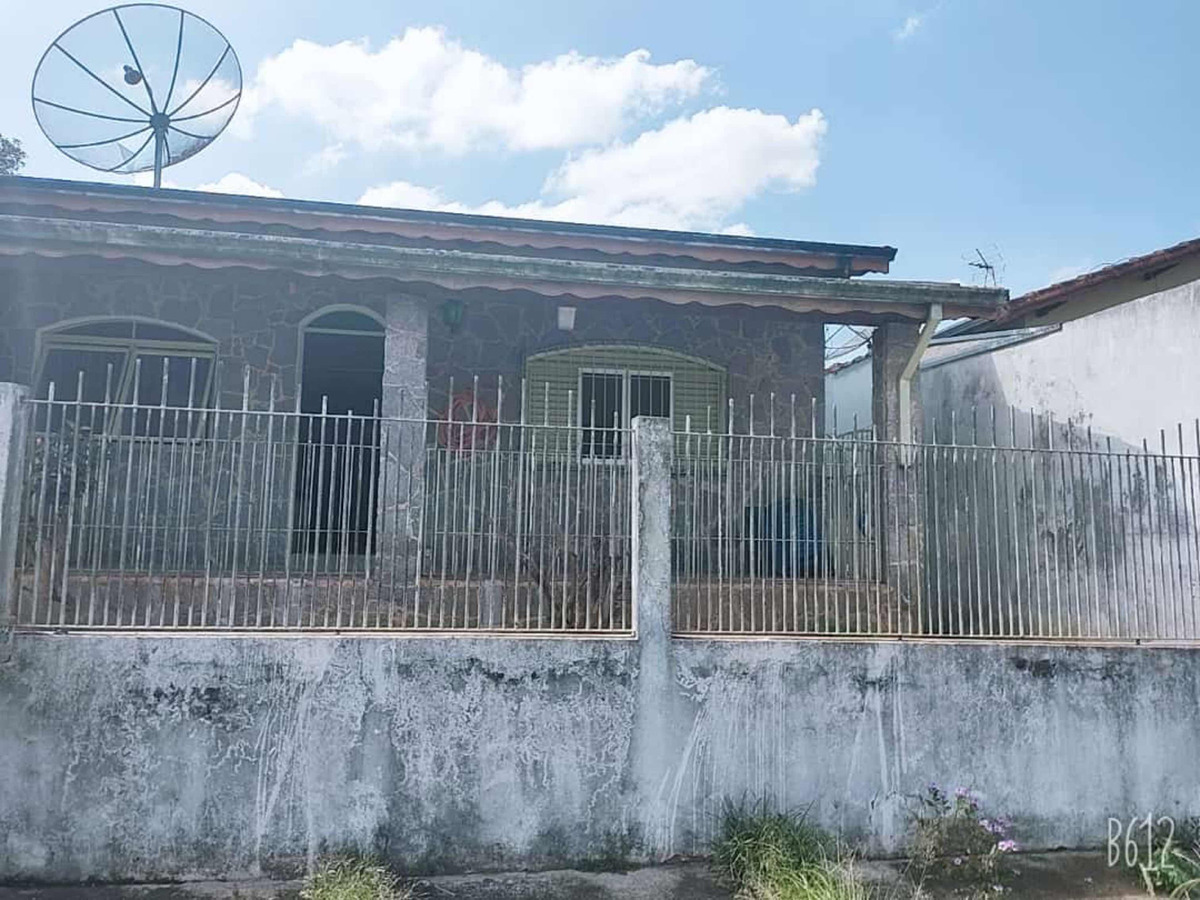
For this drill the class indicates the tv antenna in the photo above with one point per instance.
(136, 88)
(985, 266)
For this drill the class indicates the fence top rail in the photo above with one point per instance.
(926, 449)
(476, 404)
(1020, 431)
(482, 404)
(228, 412)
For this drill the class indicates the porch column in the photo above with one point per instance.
(892, 346)
(13, 420)
(402, 480)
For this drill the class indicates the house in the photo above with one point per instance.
(482, 543)
(249, 390)
(1109, 350)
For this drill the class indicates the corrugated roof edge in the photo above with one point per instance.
(51, 185)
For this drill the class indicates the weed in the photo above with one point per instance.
(1174, 868)
(353, 878)
(955, 843)
(767, 855)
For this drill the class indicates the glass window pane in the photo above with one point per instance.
(63, 367)
(600, 408)
(111, 328)
(187, 376)
(152, 331)
(347, 320)
(649, 395)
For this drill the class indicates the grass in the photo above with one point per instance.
(767, 855)
(353, 878)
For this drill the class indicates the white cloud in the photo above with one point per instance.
(237, 183)
(693, 173)
(326, 158)
(425, 90)
(910, 27)
(232, 183)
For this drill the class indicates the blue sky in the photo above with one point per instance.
(1055, 136)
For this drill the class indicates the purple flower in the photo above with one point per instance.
(993, 826)
(1007, 846)
(961, 793)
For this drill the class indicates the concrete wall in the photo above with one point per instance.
(1127, 372)
(130, 757)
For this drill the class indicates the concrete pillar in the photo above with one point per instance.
(892, 345)
(14, 415)
(654, 721)
(402, 491)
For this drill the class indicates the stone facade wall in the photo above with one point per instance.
(255, 318)
(763, 350)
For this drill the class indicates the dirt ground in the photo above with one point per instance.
(1040, 876)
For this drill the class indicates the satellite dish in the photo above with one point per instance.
(136, 88)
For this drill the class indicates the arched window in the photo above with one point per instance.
(126, 362)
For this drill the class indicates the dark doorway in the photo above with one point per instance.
(341, 386)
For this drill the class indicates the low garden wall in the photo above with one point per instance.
(132, 757)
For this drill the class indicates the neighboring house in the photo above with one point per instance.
(1113, 350)
(1103, 367)
(848, 396)
(1116, 350)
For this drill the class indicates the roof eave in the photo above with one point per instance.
(199, 206)
(842, 298)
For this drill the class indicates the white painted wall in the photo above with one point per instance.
(1127, 371)
(848, 390)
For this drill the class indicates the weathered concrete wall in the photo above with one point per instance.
(1127, 372)
(138, 757)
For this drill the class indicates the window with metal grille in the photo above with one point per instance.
(609, 400)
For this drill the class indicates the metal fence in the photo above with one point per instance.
(1031, 529)
(137, 517)
(256, 518)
